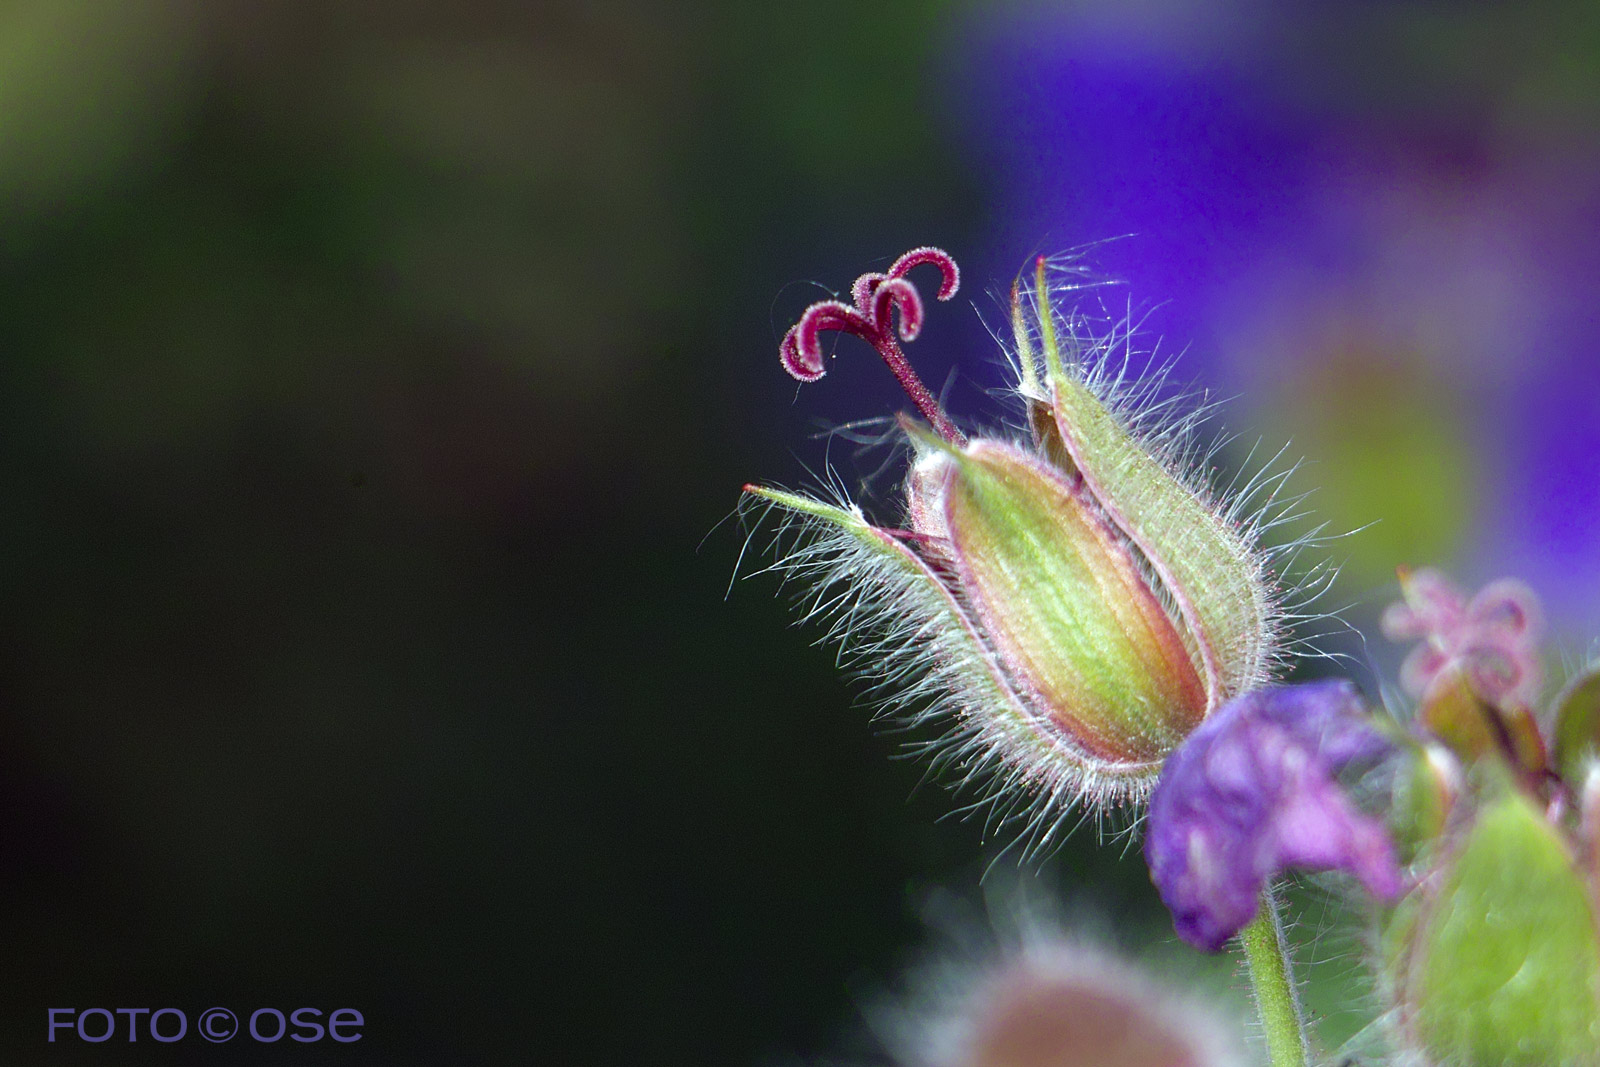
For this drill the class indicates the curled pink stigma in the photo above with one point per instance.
(948, 284)
(876, 299)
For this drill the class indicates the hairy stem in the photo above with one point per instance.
(1267, 956)
(926, 403)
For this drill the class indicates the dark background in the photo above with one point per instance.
(375, 381)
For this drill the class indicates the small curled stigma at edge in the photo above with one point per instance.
(876, 297)
(1494, 634)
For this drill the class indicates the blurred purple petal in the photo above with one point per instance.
(1252, 793)
(1417, 229)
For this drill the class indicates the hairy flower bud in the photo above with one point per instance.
(1078, 602)
(1065, 605)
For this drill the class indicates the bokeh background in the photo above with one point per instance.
(376, 378)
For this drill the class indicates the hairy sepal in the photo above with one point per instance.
(1212, 573)
(1208, 565)
(904, 630)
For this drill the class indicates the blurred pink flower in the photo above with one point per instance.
(1493, 637)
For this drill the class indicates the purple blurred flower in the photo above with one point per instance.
(1251, 793)
(1404, 253)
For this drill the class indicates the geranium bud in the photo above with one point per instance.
(1252, 793)
(1066, 606)
(1078, 602)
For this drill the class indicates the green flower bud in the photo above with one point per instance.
(1424, 790)
(1069, 612)
(1077, 603)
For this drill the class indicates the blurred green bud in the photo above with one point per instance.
(1577, 725)
(1426, 785)
(1495, 956)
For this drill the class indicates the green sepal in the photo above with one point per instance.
(953, 638)
(1577, 726)
(1210, 569)
(1067, 607)
(852, 522)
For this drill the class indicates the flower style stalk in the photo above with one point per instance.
(877, 297)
